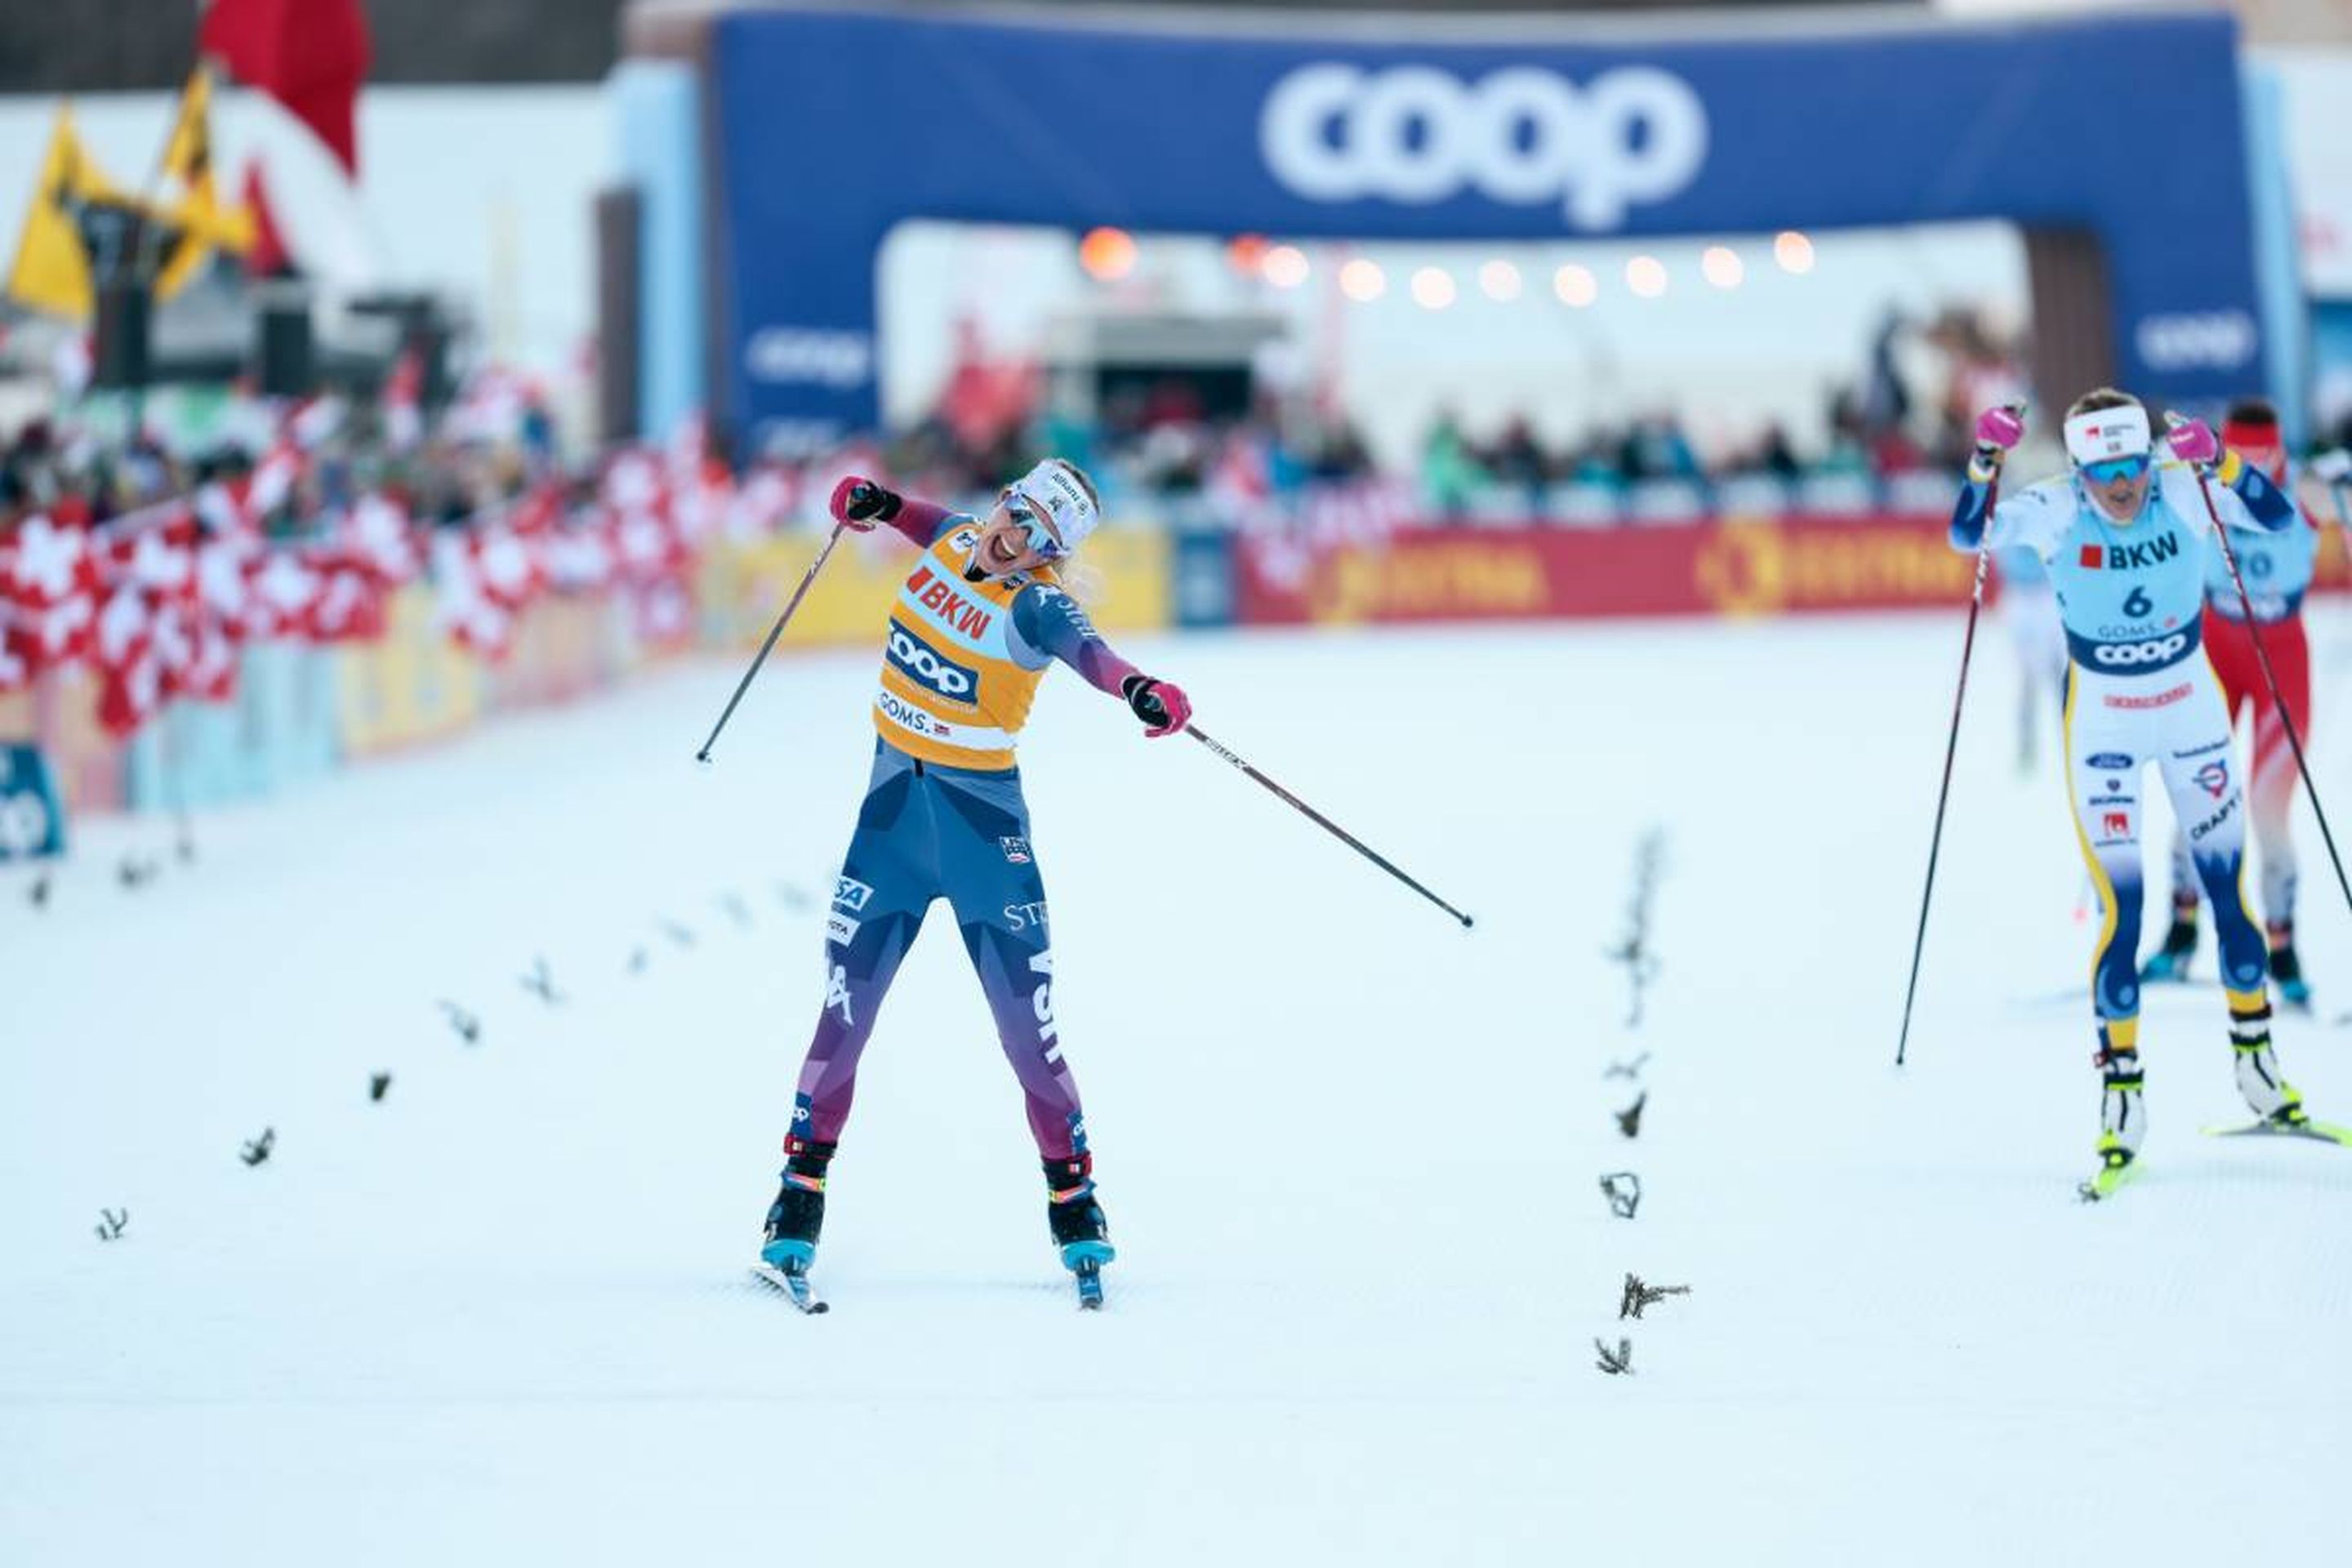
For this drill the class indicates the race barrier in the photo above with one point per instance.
(1741, 569)
(279, 728)
(58, 714)
(410, 686)
(302, 709)
(1124, 581)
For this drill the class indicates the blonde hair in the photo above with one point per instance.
(2100, 397)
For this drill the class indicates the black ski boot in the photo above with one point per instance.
(2171, 962)
(1075, 1215)
(798, 1213)
(2286, 968)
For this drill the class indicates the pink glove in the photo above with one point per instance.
(2001, 428)
(2193, 441)
(1163, 706)
(858, 500)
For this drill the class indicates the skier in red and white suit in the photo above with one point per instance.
(2277, 570)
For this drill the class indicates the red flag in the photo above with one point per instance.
(308, 55)
(268, 258)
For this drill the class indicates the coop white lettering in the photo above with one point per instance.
(1333, 133)
(2219, 339)
(828, 358)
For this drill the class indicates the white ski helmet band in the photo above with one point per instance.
(1054, 488)
(2104, 432)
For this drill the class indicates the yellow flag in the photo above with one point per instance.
(52, 270)
(194, 223)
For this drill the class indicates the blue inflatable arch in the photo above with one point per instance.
(2115, 142)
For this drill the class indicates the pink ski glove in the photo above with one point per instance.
(1159, 704)
(858, 500)
(2193, 441)
(2000, 428)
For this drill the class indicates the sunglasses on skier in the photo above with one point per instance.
(2114, 468)
(1034, 522)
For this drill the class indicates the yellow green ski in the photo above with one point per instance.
(2311, 1132)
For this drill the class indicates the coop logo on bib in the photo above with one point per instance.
(922, 664)
(1521, 136)
(2157, 651)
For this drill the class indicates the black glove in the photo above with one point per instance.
(861, 501)
(1161, 705)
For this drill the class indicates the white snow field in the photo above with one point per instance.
(1350, 1152)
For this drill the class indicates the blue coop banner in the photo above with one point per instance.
(833, 125)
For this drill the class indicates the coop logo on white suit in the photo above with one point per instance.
(2158, 651)
(1522, 135)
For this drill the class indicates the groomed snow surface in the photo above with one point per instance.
(1350, 1152)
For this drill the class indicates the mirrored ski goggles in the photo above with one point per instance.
(1033, 523)
(2114, 468)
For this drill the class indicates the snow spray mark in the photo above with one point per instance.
(1623, 1190)
(542, 984)
(257, 1150)
(1639, 1295)
(1629, 1121)
(1634, 951)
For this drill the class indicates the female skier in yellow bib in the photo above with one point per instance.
(975, 628)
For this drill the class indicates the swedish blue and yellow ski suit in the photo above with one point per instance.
(2141, 690)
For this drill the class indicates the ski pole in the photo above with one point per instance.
(1951, 748)
(2270, 676)
(2336, 488)
(773, 632)
(1358, 844)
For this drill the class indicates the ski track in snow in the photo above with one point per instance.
(1350, 1151)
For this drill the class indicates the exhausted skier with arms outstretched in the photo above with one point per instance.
(2124, 537)
(973, 631)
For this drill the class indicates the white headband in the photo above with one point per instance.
(1054, 489)
(2105, 433)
